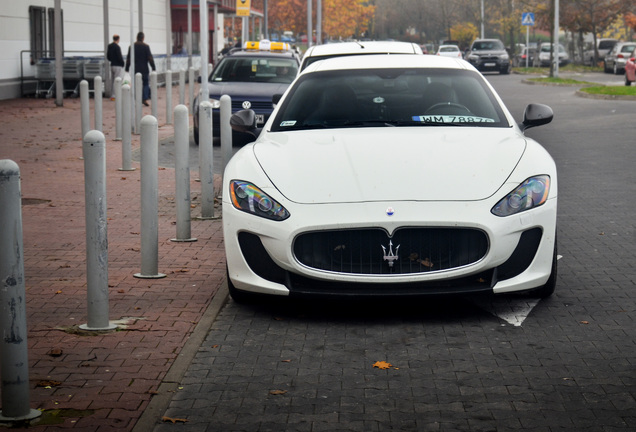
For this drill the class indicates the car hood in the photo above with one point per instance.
(416, 164)
(246, 90)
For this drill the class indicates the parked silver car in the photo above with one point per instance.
(617, 57)
(543, 59)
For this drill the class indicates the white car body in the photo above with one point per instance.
(452, 51)
(388, 178)
(325, 51)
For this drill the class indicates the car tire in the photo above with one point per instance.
(505, 71)
(548, 288)
(606, 69)
(616, 71)
(627, 82)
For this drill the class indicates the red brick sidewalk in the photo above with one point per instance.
(98, 382)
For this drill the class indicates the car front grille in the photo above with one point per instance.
(237, 105)
(408, 251)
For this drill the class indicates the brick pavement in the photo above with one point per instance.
(100, 382)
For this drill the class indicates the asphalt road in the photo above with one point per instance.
(567, 363)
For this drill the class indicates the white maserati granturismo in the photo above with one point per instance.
(390, 175)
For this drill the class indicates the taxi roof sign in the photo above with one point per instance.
(266, 45)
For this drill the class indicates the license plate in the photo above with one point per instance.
(260, 118)
(490, 64)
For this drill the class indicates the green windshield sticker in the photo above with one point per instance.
(452, 119)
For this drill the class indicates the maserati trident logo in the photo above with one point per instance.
(247, 105)
(391, 256)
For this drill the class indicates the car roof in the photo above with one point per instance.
(365, 47)
(398, 61)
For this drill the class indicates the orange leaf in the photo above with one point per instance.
(382, 365)
(173, 420)
(277, 392)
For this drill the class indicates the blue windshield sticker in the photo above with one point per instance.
(288, 123)
(452, 119)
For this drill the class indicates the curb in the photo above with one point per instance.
(158, 405)
(582, 94)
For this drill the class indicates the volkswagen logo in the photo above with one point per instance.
(247, 104)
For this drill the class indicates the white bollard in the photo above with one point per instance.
(153, 94)
(118, 106)
(191, 89)
(206, 160)
(94, 151)
(168, 97)
(182, 87)
(226, 130)
(97, 95)
(14, 363)
(139, 88)
(149, 134)
(85, 107)
(182, 174)
(126, 142)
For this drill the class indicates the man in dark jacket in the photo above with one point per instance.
(143, 57)
(116, 60)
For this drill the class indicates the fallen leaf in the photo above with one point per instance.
(173, 420)
(215, 346)
(48, 383)
(121, 291)
(55, 352)
(585, 322)
(277, 392)
(286, 361)
(58, 292)
(382, 365)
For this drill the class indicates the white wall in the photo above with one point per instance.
(83, 30)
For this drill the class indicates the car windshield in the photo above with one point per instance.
(488, 45)
(256, 69)
(388, 98)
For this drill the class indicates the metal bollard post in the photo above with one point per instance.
(97, 85)
(118, 106)
(94, 150)
(182, 87)
(226, 129)
(206, 160)
(14, 361)
(149, 199)
(153, 93)
(85, 107)
(126, 142)
(139, 87)
(191, 89)
(169, 97)
(182, 173)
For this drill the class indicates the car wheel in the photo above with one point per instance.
(605, 68)
(505, 71)
(547, 290)
(615, 69)
(239, 296)
(627, 82)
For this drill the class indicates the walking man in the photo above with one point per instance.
(143, 57)
(116, 61)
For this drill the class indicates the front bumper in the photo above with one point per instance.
(518, 256)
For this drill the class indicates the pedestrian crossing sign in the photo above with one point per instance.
(527, 18)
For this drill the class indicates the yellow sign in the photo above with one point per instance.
(243, 7)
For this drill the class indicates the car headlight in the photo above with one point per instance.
(473, 57)
(505, 57)
(248, 198)
(530, 194)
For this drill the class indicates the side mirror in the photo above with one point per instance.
(536, 115)
(245, 121)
